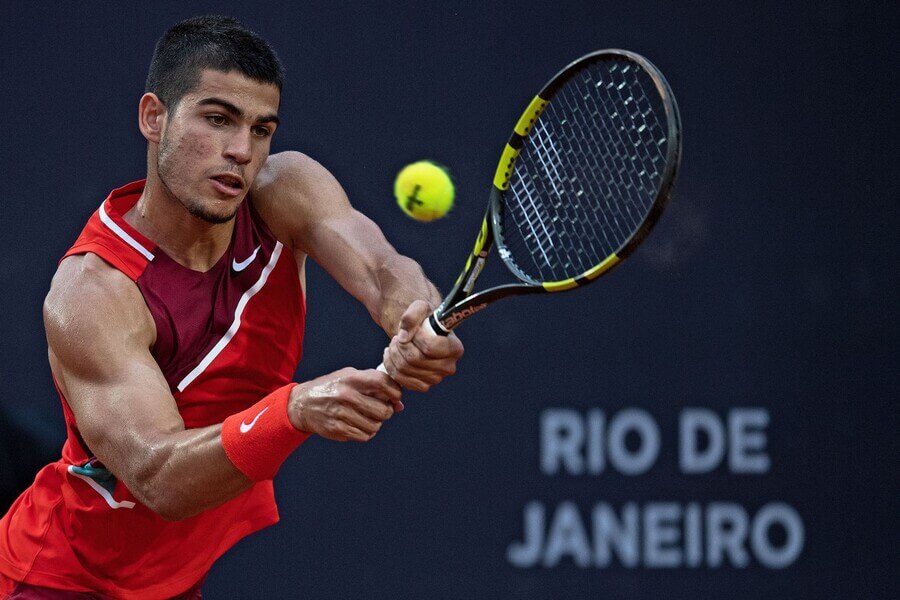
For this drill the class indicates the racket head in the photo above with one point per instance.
(587, 172)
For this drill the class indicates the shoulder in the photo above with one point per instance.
(92, 305)
(293, 192)
(290, 167)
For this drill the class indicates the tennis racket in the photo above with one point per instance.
(582, 180)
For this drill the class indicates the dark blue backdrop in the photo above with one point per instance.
(768, 284)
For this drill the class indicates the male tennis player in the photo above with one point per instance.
(175, 324)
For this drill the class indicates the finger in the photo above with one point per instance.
(407, 357)
(430, 372)
(395, 403)
(412, 319)
(416, 384)
(419, 374)
(438, 346)
(386, 388)
(355, 417)
(392, 374)
(376, 409)
(416, 380)
(348, 433)
(380, 385)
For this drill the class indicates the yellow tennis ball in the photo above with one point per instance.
(424, 190)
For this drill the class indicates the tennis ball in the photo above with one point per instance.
(424, 190)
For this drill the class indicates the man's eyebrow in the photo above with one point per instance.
(235, 111)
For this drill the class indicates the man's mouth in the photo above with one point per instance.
(231, 181)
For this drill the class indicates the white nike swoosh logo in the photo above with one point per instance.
(240, 266)
(245, 427)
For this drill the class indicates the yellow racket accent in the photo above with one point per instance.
(531, 114)
(482, 235)
(523, 128)
(505, 168)
(594, 273)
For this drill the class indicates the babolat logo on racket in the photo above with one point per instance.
(458, 316)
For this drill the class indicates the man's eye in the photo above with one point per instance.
(217, 120)
(261, 131)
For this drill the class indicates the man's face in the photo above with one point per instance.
(215, 142)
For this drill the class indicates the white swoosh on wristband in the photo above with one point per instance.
(245, 427)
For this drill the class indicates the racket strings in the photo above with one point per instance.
(588, 174)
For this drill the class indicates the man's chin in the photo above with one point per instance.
(211, 216)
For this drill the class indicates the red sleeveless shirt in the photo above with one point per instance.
(224, 339)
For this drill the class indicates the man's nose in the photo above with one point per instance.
(239, 146)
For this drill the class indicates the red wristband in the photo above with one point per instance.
(260, 438)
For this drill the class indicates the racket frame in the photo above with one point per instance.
(461, 303)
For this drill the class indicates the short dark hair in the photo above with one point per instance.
(208, 42)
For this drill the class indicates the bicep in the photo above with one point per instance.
(121, 404)
(99, 332)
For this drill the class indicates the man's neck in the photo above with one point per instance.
(186, 239)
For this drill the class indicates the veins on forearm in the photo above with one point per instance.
(401, 282)
(187, 474)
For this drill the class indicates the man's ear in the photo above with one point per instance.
(151, 117)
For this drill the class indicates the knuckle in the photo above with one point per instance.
(395, 353)
(427, 346)
(414, 358)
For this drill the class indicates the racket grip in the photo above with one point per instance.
(428, 328)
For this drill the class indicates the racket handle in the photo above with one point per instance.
(428, 328)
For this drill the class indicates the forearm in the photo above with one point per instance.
(192, 470)
(400, 281)
(185, 473)
(354, 251)
(189, 471)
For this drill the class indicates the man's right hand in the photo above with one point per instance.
(345, 405)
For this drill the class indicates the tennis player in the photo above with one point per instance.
(175, 323)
